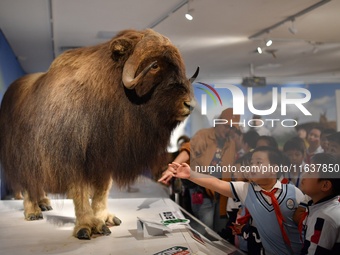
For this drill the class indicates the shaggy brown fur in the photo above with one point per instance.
(74, 128)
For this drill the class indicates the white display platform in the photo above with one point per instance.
(53, 234)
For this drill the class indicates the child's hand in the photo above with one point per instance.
(181, 170)
(167, 175)
(175, 170)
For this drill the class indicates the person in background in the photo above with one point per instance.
(314, 142)
(249, 140)
(265, 140)
(322, 224)
(334, 143)
(208, 148)
(270, 203)
(236, 135)
(302, 133)
(324, 142)
(295, 150)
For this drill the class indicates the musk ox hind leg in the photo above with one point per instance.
(86, 222)
(18, 195)
(33, 207)
(32, 210)
(99, 205)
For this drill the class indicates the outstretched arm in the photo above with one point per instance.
(184, 171)
(183, 156)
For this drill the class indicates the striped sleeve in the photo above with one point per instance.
(239, 190)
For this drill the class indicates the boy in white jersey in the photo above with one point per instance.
(322, 224)
(270, 203)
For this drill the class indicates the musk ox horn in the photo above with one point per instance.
(193, 78)
(128, 78)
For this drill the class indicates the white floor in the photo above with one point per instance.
(53, 234)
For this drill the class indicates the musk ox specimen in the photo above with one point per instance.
(98, 114)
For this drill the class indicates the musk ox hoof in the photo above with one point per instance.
(101, 230)
(45, 208)
(105, 230)
(112, 220)
(84, 234)
(117, 221)
(45, 204)
(31, 217)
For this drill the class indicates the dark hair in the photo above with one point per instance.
(244, 160)
(250, 138)
(295, 143)
(334, 137)
(328, 131)
(327, 159)
(274, 155)
(297, 128)
(318, 127)
(256, 117)
(271, 141)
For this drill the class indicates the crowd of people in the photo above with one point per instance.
(287, 202)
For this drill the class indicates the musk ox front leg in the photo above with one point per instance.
(44, 203)
(86, 223)
(99, 205)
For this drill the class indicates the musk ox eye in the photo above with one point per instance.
(155, 66)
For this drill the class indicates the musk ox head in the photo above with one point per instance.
(152, 62)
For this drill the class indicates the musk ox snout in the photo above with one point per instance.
(190, 105)
(187, 107)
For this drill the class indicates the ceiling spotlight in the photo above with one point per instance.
(292, 28)
(188, 15)
(259, 50)
(269, 42)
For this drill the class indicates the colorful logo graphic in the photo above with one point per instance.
(208, 92)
